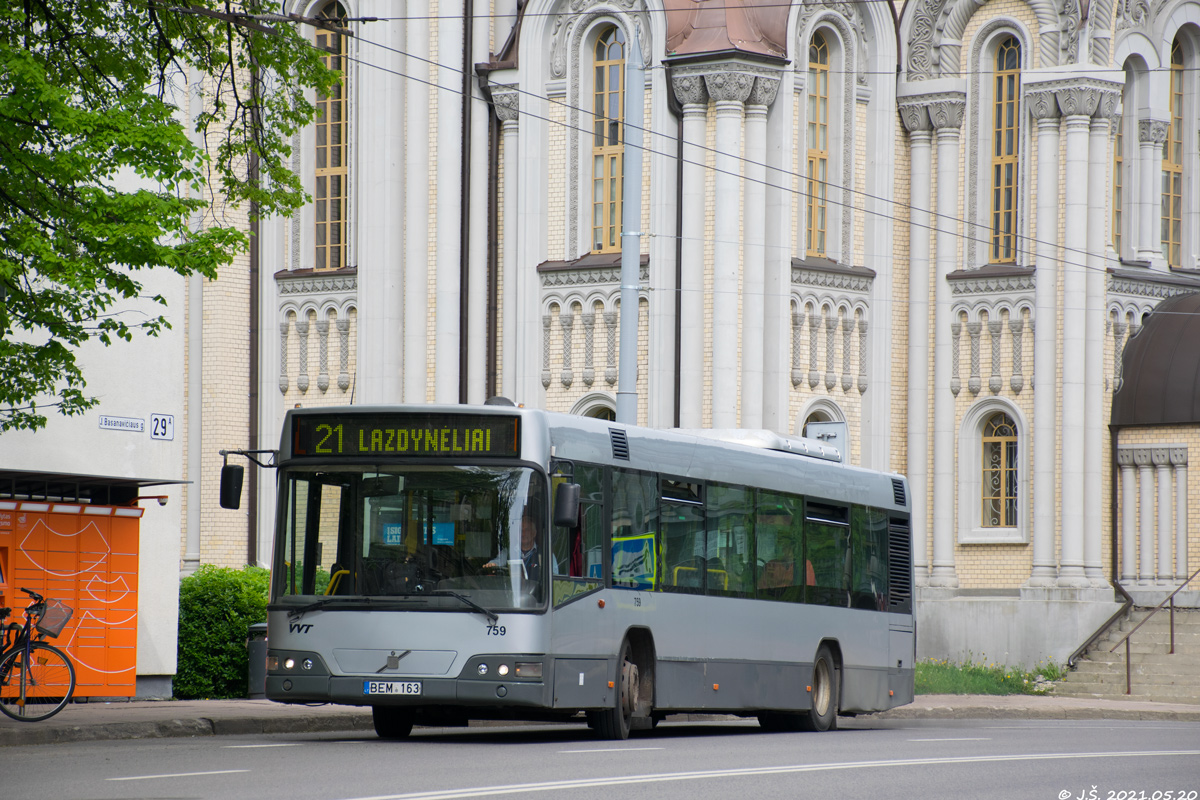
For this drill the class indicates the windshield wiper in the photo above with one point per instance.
(295, 613)
(450, 593)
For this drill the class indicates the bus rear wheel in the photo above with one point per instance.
(392, 722)
(822, 713)
(614, 723)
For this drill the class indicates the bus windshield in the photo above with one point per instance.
(441, 537)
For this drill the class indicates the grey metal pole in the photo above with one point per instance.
(631, 213)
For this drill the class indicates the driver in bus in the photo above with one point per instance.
(531, 554)
(780, 572)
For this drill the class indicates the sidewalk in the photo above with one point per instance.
(146, 719)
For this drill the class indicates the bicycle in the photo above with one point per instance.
(36, 679)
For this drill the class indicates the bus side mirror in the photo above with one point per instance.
(231, 485)
(566, 505)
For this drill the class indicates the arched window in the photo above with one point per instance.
(1000, 472)
(1005, 138)
(818, 145)
(330, 195)
(607, 143)
(1172, 165)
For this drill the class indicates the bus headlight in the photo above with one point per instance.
(482, 669)
(289, 663)
(529, 669)
(503, 670)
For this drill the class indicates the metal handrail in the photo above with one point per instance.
(1125, 639)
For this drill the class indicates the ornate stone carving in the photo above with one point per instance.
(283, 356)
(764, 91)
(973, 330)
(995, 328)
(589, 347)
(955, 335)
(323, 359)
(343, 329)
(610, 372)
(1178, 456)
(302, 332)
(847, 332)
(947, 112)
(1152, 130)
(849, 20)
(1016, 327)
(797, 329)
(813, 326)
(1077, 100)
(545, 351)
(729, 86)
(567, 320)
(1119, 327)
(862, 356)
(506, 100)
(914, 113)
(690, 89)
(1042, 103)
(1125, 457)
(1132, 14)
(831, 323)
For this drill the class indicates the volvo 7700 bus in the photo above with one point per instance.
(447, 563)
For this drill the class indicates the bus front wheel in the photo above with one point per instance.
(822, 713)
(614, 723)
(392, 722)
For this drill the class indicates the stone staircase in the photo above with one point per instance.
(1156, 675)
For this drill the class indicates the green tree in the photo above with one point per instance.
(94, 91)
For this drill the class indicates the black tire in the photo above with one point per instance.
(613, 723)
(39, 689)
(392, 722)
(778, 722)
(826, 683)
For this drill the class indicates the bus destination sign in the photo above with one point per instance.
(406, 434)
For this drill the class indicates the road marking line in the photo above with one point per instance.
(612, 750)
(179, 775)
(249, 746)
(956, 739)
(591, 783)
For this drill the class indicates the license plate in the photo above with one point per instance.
(391, 687)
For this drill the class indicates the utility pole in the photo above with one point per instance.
(631, 237)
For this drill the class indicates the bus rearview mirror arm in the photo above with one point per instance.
(233, 474)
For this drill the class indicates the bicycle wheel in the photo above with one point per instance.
(36, 688)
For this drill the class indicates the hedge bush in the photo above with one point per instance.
(217, 605)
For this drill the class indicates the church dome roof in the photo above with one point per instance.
(1161, 367)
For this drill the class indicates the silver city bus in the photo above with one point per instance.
(446, 563)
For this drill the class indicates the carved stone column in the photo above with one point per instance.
(729, 91)
(915, 115)
(754, 257)
(1161, 458)
(343, 329)
(1043, 107)
(567, 320)
(1141, 457)
(1179, 462)
(283, 355)
(797, 330)
(946, 113)
(1016, 327)
(302, 332)
(505, 99)
(323, 362)
(545, 351)
(831, 325)
(1151, 135)
(610, 370)
(692, 94)
(1128, 515)
(589, 347)
(995, 328)
(974, 331)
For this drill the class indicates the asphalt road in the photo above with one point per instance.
(1042, 759)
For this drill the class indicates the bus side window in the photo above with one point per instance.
(634, 520)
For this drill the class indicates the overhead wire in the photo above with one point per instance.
(800, 178)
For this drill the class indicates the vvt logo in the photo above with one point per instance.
(296, 627)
